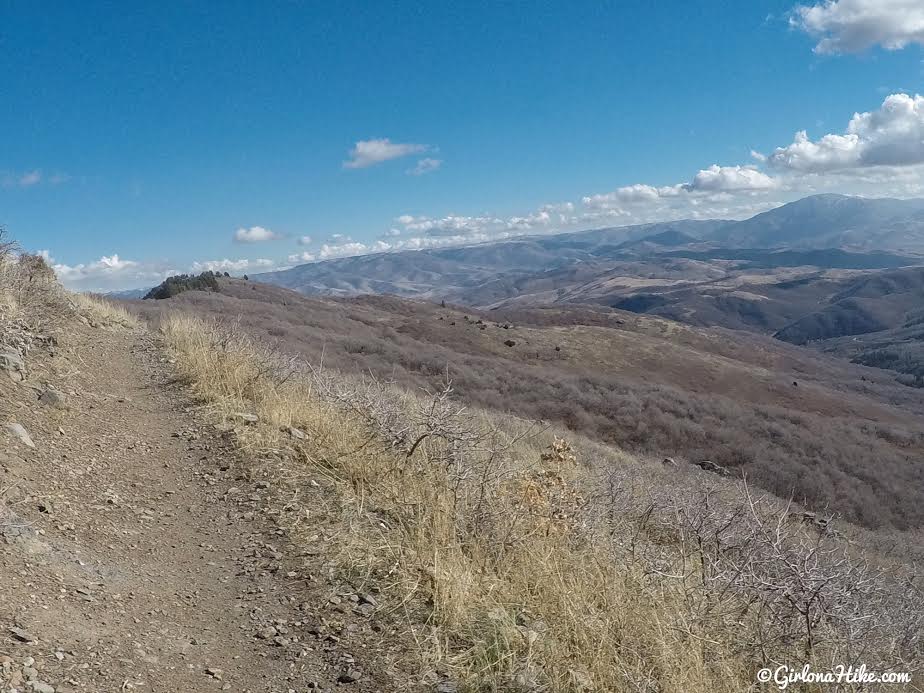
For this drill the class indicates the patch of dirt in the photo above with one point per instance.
(137, 551)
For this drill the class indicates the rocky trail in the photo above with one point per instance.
(134, 552)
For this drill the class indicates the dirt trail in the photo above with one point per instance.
(133, 555)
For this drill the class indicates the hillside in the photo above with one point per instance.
(794, 421)
(779, 272)
(187, 505)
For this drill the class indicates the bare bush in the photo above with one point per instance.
(521, 566)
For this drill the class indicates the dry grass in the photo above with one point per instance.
(101, 312)
(516, 566)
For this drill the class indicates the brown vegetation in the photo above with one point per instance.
(846, 440)
(513, 560)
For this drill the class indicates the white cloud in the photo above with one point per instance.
(107, 273)
(112, 272)
(893, 135)
(347, 249)
(451, 224)
(255, 234)
(423, 166)
(301, 258)
(367, 153)
(21, 180)
(730, 178)
(231, 265)
(31, 178)
(851, 26)
(305, 240)
(708, 181)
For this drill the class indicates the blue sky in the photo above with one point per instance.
(138, 139)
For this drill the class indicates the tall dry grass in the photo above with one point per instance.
(101, 312)
(517, 566)
(33, 301)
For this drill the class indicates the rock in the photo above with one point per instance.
(350, 676)
(296, 433)
(266, 633)
(12, 363)
(245, 417)
(21, 635)
(20, 433)
(53, 398)
(41, 687)
(214, 673)
(710, 466)
(510, 343)
(669, 462)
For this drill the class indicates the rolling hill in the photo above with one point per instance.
(795, 421)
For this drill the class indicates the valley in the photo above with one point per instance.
(771, 275)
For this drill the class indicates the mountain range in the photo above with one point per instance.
(818, 269)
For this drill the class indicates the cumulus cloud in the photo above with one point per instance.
(425, 165)
(349, 248)
(730, 178)
(367, 153)
(301, 258)
(229, 266)
(305, 240)
(113, 272)
(255, 234)
(893, 135)
(107, 273)
(708, 181)
(450, 225)
(851, 26)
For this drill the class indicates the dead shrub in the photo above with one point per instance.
(520, 566)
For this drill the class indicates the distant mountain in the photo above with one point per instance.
(815, 271)
(832, 221)
(127, 294)
(822, 230)
(450, 272)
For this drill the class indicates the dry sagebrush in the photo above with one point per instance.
(518, 565)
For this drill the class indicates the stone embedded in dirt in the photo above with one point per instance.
(41, 687)
(296, 433)
(22, 635)
(710, 466)
(266, 633)
(350, 676)
(214, 673)
(12, 363)
(20, 433)
(245, 417)
(53, 398)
